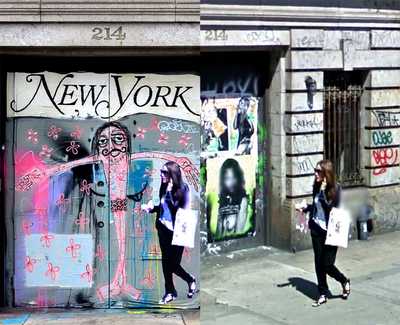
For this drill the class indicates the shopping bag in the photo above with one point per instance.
(185, 228)
(338, 228)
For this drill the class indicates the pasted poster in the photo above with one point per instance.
(230, 148)
(230, 197)
(230, 124)
(90, 151)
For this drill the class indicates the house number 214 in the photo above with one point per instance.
(108, 34)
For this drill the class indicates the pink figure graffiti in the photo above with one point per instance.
(112, 150)
(52, 271)
(73, 248)
(29, 263)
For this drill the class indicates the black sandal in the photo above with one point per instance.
(321, 300)
(346, 289)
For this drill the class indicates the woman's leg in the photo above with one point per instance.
(177, 268)
(329, 264)
(165, 239)
(318, 247)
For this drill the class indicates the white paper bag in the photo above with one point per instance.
(185, 228)
(338, 228)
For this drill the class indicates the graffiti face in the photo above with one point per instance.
(244, 104)
(230, 181)
(112, 143)
(311, 86)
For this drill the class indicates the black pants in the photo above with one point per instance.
(324, 257)
(171, 258)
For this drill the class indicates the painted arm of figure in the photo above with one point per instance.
(242, 216)
(191, 172)
(236, 121)
(39, 173)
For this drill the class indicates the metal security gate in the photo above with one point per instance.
(80, 174)
(342, 131)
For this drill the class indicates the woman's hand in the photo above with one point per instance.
(148, 207)
(170, 185)
(323, 184)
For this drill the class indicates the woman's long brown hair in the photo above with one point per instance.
(328, 172)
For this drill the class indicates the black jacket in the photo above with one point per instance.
(174, 203)
(326, 206)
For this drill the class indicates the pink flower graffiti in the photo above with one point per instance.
(62, 201)
(77, 133)
(73, 248)
(32, 136)
(46, 240)
(184, 140)
(140, 133)
(82, 221)
(52, 271)
(26, 227)
(46, 151)
(85, 187)
(29, 263)
(154, 124)
(148, 280)
(53, 132)
(163, 138)
(88, 274)
(100, 253)
(73, 147)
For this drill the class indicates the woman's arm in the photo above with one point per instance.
(326, 204)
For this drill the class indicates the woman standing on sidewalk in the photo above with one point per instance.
(174, 195)
(326, 195)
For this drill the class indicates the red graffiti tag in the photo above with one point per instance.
(383, 158)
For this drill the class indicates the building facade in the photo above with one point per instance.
(95, 99)
(325, 78)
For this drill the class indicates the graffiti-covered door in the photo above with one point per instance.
(87, 150)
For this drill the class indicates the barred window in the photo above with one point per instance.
(342, 132)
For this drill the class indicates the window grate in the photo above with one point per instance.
(342, 108)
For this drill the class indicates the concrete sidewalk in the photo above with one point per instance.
(99, 317)
(268, 286)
